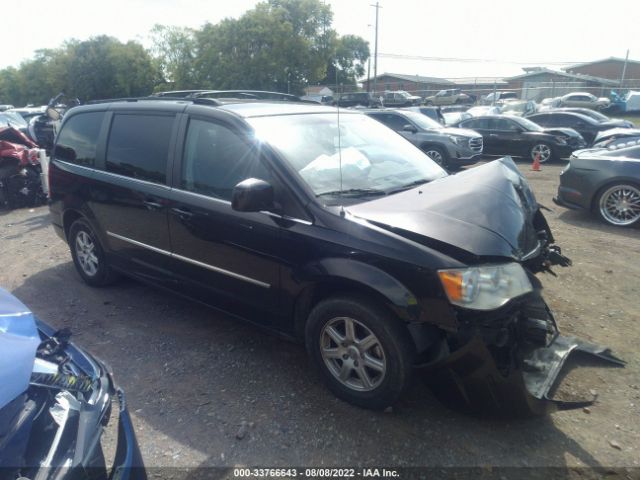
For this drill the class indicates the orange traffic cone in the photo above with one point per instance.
(535, 166)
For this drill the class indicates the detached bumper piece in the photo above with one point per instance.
(514, 380)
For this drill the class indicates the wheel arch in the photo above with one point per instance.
(349, 277)
(68, 217)
(431, 144)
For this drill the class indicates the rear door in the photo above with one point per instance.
(226, 258)
(129, 195)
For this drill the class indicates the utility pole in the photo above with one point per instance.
(624, 69)
(375, 58)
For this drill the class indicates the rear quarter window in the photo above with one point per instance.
(78, 138)
(138, 146)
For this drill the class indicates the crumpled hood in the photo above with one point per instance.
(616, 132)
(487, 211)
(569, 132)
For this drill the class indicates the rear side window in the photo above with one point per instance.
(77, 140)
(138, 146)
(481, 123)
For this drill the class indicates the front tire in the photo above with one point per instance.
(88, 255)
(619, 204)
(363, 354)
(544, 150)
(436, 154)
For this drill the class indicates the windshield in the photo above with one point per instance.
(528, 124)
(514, 107)
(374, 159)
(422, 121)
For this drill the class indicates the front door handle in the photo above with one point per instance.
(151, 205)
(182, 213)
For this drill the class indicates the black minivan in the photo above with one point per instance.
(327, 227)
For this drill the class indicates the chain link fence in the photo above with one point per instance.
(526, 90)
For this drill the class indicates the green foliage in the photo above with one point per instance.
(174, 53)
(281, 45)
(101, 67)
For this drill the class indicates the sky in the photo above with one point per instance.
(415, 37)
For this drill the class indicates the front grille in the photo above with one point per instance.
(475, 144)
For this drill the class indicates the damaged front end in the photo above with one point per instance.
(508, 361)
(61, 415)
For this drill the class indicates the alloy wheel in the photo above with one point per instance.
(86, 253)
(620, 205)
(353, 354)
(435, 155)
(543, 150)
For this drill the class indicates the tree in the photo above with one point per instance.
(103, 67)
(174, 50)
(347, 63)
(279, 45)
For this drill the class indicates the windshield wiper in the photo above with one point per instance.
(408, 186)
(353, 192)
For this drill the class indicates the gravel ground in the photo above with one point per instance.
(205, 390)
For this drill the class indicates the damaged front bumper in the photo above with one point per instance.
(82, 460)
(515, 375)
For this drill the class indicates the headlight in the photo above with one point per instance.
(485, 288)
(562, 140)
(457, 140)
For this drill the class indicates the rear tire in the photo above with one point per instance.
(545, 151)
(619, 204)
(363, 354)
(88, 255)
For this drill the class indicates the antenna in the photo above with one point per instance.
(339, 145)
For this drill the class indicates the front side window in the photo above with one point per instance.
(216, 159)
(78, 138)
(138, 146)
(351, 156)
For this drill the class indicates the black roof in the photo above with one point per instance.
(241, 107)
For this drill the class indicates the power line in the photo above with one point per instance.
(471, 60)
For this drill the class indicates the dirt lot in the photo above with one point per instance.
(205, 390)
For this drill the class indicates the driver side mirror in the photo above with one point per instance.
(409, 128)
(252, 195)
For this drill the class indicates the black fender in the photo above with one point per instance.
(369, 277)
(333, 276)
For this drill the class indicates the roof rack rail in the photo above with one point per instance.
(240, 94)
(195, 100)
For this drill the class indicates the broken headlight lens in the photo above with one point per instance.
(485, 288)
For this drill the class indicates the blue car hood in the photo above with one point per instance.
(19, 341)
